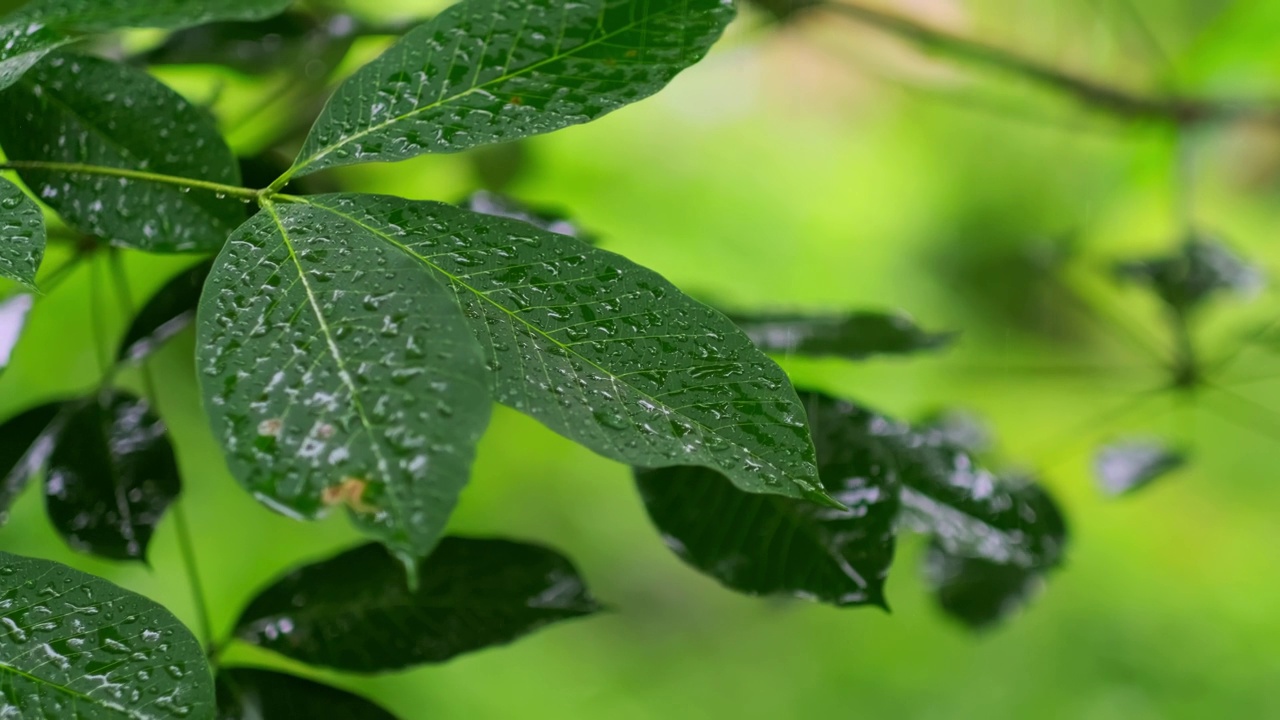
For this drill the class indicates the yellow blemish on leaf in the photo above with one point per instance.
(350, 492)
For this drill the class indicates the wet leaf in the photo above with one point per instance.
(166, 314)
(768, 545)
(22, 235)
(25, 443)
(489, 203)
(103, 15)
(601, 350)
(78, 109)
(111, 475)
(252, 694)
(355, 612)
(1129, 465)
(977, 592)
(290, 40)
(487, 71)
(1203, 267)
(13, 318)
(337, 371)
(855, 336)
(22, 44)
(77, 647)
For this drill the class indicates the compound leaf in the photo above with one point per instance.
(487, 71)
(355, 612)
(22, 235)
(601, 350)
(78, 647)
(85, 110)
(338, 371)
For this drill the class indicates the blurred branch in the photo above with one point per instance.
(1118, 101)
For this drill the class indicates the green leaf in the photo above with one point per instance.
(166, 314)
(13, 318)
(85, 110)
(601, 350)
(977, 592)
(1130, 465)
(22, 235)
(111, 475)
(337, 371)
(104, 15)
(252, 694)
(855, 336)
(290, 40)
(1203, 267)
(22, 44)
(25, 443)
(768, 545)
(489, 203)
(488, 71)
(76, 647)
(354, 611)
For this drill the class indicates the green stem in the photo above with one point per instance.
(143, 175)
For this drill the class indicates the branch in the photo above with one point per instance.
(1117, 101)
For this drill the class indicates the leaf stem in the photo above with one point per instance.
(143, 175)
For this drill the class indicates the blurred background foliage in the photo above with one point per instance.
(818, 164)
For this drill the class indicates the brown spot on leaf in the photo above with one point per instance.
(350, 492)
(270, 427)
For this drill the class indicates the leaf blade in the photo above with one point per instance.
(853, 336)
(22, 235)
(25, 444)
(104, 15)
(255, 694)
(169, 311)
(23, 45)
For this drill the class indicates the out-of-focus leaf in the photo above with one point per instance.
(111, 475)
(488, 71)
(958, 428)
(103, 15)
(1202, 268)
(977, 592)
(768, 545)
(855, 336)
(785, 9)
(25, 443)
(166, 314)
(76, 647)
(85, 110)
(497, 166)
(339, 371)
(601, 350)
(290, 40)
(22, 44)
(355, 612)
(489, 203)
(22, 235)
(252, 694)
(1129, 465)
(13, 318)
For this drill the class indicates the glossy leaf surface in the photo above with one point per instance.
(76, 647)
(355, 612)
(855, 336)
(487, 71)
(288, 40)
(767, 545)
(13, 318)
(22, 44)
(103, 15)
(337, 371)
(977, 592)
(79, 109)
(1203, 267)
(111, 475)
(22, 235)
(489, 203)
(171, 310)
(25, 443)
(252, 694)
(1126, 466)
(601, 350)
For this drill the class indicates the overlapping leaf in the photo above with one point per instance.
(601, 350)
(291, 39)
(25, 443)
(337, 371)
(766, 545)
(76, 647)
(1125, 466)
(855, 336)
(977, 592)
(22, 235)
(487, 71)
(489, 203)
(102, 15)
(111, 475)
(1202, 268)
(171, 310)
(253, 694)
(22, 44)
(13, 318)
(355, 612)
(85, 110)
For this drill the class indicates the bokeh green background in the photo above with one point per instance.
(824, 166)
